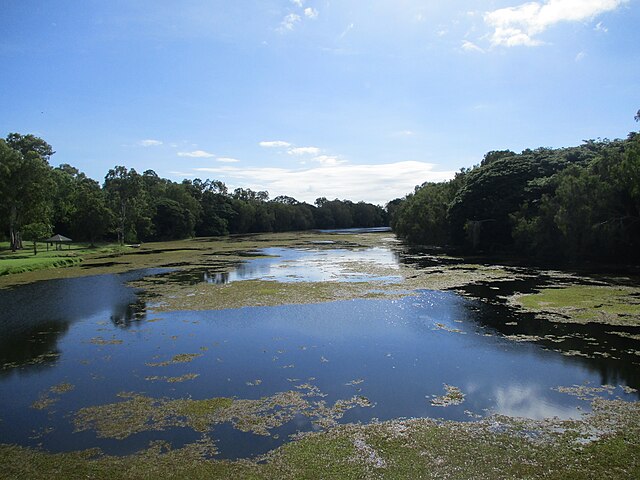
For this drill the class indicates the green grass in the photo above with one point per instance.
(24, 260)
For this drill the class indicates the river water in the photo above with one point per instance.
(95, 337)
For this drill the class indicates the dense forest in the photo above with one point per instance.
(580, 203)
(38, 199)
(577, 203)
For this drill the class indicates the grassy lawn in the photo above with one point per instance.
(25, 260)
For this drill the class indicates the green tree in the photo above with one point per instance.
(92, 216)
(127, 197)
(35, 232)
(25, 183)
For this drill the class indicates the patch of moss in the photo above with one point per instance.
(454, 396)
(138, 413)
(603, 444)
(612, 305)
(180, 358)
(51, 396)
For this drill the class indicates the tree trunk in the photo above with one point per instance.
(123, 216)
(14, 236)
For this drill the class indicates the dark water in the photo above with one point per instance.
(98, 335)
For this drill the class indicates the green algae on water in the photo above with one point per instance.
(137, 413)
(611, 305)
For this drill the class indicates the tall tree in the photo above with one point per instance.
(25, 183)
(126, 194)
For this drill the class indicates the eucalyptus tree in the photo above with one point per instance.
(127, 198)
(25, 183)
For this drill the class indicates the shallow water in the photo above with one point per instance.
(97, 335)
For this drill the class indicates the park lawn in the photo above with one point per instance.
(25, 261)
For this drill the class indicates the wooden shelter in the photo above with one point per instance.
(58, 240)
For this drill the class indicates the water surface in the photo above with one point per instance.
(96, 335)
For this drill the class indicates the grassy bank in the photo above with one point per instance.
(23, 261)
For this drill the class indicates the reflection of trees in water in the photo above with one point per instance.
(34, 317)
(590, 345)
(220, 278)
(35, 348)
(125, 316)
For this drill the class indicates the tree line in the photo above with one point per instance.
(38, 199)
(548, 204)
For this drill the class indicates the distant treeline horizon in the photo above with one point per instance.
(130, 207)
(559, 204)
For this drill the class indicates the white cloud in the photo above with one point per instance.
(468, 46)
(289, 22)
(304, 151)
(149, 143)
(299, 3)
(581, 56)
(520, 25)
(600, 28)
(275, 144)
(311, 13)
(196, 154)
(329, 160)
(227, 160)
(333, 179)
(346, 31)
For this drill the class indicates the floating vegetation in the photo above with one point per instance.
(181, 378)
(442, 326)
(603, 444)
(355, 382)
(138, 413)
(180, 358)
(61, 388)
(585, 392)
(43, 359)
(102, 341)
(611, 305)
(51, 396)
(454, 396)
(626, 335)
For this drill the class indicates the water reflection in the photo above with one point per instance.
(303, 265)
(97, 334)
(33, 318)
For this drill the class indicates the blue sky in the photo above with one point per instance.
(337, 98)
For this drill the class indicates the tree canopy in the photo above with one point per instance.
(570, 203)
(133, 207)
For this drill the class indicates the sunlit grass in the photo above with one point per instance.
(47, 256)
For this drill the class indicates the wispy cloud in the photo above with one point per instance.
(289, 22)
(274, 144)
(468, 46)
(149, 143)
(329, 160)
(600, 28)
(519, 26)
(332, 179)
(311, 13)
(227, 160)
(196, 154)
(346, 31)
(304, 151)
